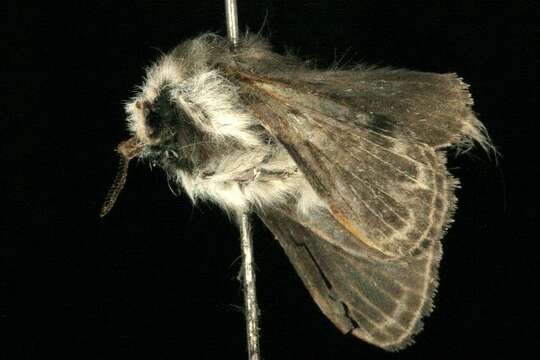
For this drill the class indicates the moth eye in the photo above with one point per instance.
(153, 121)
(160, 116)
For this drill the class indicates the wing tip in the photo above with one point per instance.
(473, 132)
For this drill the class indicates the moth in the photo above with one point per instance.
(346, 167)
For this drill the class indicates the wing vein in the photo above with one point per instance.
(375, 214)
(381, 200)
(419, 199)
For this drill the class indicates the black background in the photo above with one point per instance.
(156, 279)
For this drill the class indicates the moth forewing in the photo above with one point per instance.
(345, 167)
(392, 194)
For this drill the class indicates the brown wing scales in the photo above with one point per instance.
(396, 197)
(378, 300)
(431, 108)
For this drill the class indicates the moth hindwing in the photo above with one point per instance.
(345, 166)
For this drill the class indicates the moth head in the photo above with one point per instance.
(186, 98)
(184, 116)
(161, 128)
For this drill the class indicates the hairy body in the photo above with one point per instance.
(218, 150)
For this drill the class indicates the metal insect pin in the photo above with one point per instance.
(346, 167)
